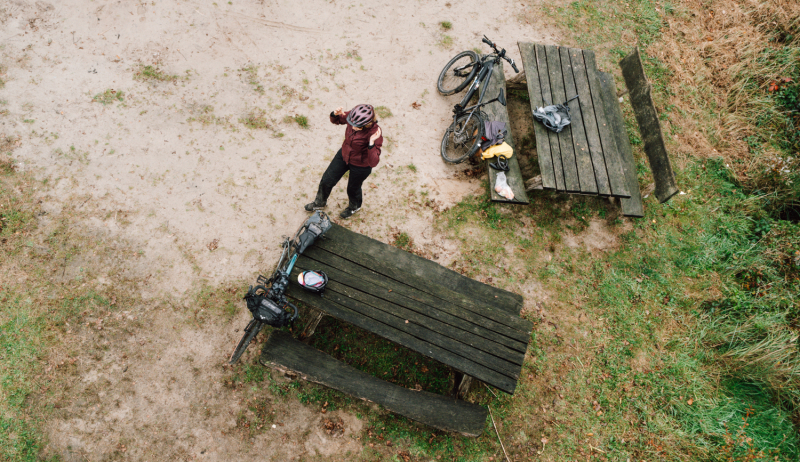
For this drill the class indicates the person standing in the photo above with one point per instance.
(359, 154)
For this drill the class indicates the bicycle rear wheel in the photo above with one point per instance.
(462, 138)
(458, 73)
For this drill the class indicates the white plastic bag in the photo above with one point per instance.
(501, 186)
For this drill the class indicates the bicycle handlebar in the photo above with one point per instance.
(501, 54)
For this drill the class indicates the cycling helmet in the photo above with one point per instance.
(360, 115)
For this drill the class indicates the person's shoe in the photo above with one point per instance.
(313, 206)
(349, 212)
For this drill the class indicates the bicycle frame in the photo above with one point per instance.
(486, 68)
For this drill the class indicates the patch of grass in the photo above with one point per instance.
(383, 112)
(256, 119)
(153, 73)
(446, 41)
(446, 25)
(109, 96)
(300, 120)
(412, 167)
(403, 241)
(250, 75)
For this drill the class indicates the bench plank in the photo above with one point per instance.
(531, 66)
(498, 112)
(374, 254)
(589, 121)
(616, 175)
(283, 352)
(568, 163)
(547, 97)
(647, 118)
(583, 157)
(502, 337)
(387, 331)
(631, 206)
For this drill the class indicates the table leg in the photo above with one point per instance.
(312, 324)
(461, 384)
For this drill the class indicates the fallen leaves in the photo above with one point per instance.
(416, 105)
(213, 245)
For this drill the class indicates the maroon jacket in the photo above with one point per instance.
(356, 150)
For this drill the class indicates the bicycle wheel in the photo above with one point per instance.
(250, 333)
(462, 138)
(458, 73)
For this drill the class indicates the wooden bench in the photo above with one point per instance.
(286, 354)
(498, 112)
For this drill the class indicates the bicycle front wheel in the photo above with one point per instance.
(462, 138)
(458, 73)
(250, 332)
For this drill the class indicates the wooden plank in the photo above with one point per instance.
(583, 157)
(283, 352)
(566, 146)
(631, 206)
(415, 266)
(616, 176)
(545, 159)
(589, 121)
(547, 98)
(497, 111)
(357, 276)
(346, 314)
(421, 327)
(646, 116)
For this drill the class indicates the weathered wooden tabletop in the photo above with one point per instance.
(584, 157)
(469, 326)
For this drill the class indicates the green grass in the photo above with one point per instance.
(109, 96)
(300, 120)
(256, 119)
(383, 112)
(446, 25)
(153, 73)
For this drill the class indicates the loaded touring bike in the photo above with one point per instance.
(267, 299)
(467, 69)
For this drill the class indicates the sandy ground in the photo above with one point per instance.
(150, 176)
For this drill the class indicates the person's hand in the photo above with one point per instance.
(375, 136)
(339, 111)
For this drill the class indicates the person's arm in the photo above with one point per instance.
(338, 116)
(374, 146)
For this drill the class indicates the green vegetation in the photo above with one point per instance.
(153, 73)
(446, 25)
(446, 41)
(250, 75)
(108, 97)
(255, 119)
(383, 112)
(300, 120)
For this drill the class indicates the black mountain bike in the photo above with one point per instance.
(267, 300)
(463, 136)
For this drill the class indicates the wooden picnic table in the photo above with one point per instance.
(585, 157)
(471, 327)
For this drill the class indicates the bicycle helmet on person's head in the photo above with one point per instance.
(361, 115)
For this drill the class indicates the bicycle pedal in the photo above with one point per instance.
(261, 280)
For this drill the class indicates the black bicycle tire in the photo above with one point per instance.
(472, 149)
(248, 337)
(467, 80)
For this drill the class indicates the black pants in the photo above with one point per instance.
(334, 173)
